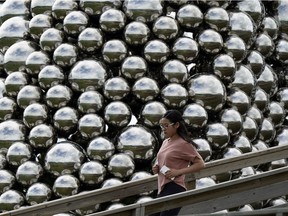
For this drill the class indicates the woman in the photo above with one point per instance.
(177, 152)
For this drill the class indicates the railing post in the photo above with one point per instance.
(139, 211)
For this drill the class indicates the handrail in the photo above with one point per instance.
(143, 185)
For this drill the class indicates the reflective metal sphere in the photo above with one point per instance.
(29, 94)
(281, 51)
(261, 99)
(267, 131)
(204, 148)
(97, 7)
(61, 7)
(28, 173)
(205, 182)
(49, 76)
(14, 8)
(90, 102)
(90, 39)
(144, 199)
(42, 136)
(11, 200)
(66, 185)
(136, 141)
(247, 171)
(256, 62)
(224, 66)
(64, 158)
(65, 55)
(11, 131)
(92, 172)
(87, 75)
(235, 47)
(100, 148)
(152, 112)
(91, 125)
(271, 26)
(232, 119)
(145, 89)
(112, 20)
(18, 153)
(150, 10)
(245, 80)
(35, 114)
(117, 113)
(121, 165)
(38, 193)
(281, 136)
(276, 113)
(58, 96)
(115, 206)
(51, 39)
(65, 120)
(250, 128)
(41, 7)
(16, 55)
(231, 152)
(264, 44)
(218, 135)
(156, 51)
(185, 49)
(239, 100)
(260, 145)
(210, 41)
(114, 51)
(268, 80)
(12, 30)
(136, 33)
(175, 71)
(8, 108)
(134, 67)
(174, 95)
(165, 28)
(207, 90)
(110, 182)
(278, 164)
(38, 24)
(217, 18)
(189, 16)
(256, 115)
(243, 143)
(36, 61)
(7, 180)
(116, 88)
(195, 115)
(75, 22)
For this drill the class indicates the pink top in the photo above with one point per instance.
(176, 154)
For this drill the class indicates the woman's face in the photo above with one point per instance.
(169, 129)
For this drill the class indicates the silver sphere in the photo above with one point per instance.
(98, 7)
(60, 8)
(90, 40)
(152, 112)
(207, 90)
(115, 206)
(14, 82)
(116, 88)
(195, 115)
(36, 61)
(8, 108)
(7, 180)
(268, 80)
(11, 200)
(205, 182)
(88, 209)
(38, 193)
(189, 16)
(243, 143)
(49, 76)
(238, 100)
(256, 115)
(38, 24)
(136, 33)
(29, 94)
(41, 7)
(65, 120)
(92, 173)
(91, 125)
(174, 95)
(58, 96)
(218, 135)
(110, 183)
(134, 67)
(87, 75)
(11, 131)
(112, 20)
(185, 49)
(75, 22)
(204, 148)
(175, 71)
(65, 55)
(42, 136)
(235, 47)
(64, 158)
(143, 199)
(166, 28)
(267, 130)
(224, 66)
(66, 185)
(217, 18)
(100, 148)
(156, 51)
(250, 128)
(145, 89)
(51, 39)
(256, 62)
(141, 175)
(121, 165)
(261, 100)
(137, 141)
(28, 173)
(210, 41)
(114, 51)
(117, 113)
(281, 136)
(232, 119)
(18, 153)
(90, 102)
(35, 114)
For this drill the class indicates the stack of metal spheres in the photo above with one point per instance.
(83, 85)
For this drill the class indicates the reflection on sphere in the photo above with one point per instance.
(217, 18)
(282, 97)
(36, 61)
(29, 172)
(189, 16)
(112, 20)
(204, 148)
(11, 200)
(90, 102)
(38, 24)
(3, 162)
(114, 51)
(65, 55)
(239, 100)
(210, 41)
(152, 112)
(61, 7)
(66, 185)
(145, 89)
(174, 95)
(270, 26)
(264, 44)
(121, 165)
(232, 119)
(7, 180)
(218, 135)
(243, 143)
(281, 51)
(38, 193)
(58, 96)
(42, 136)
(116, 88)
(207, 90)
(100, 148)
(13, 8)
(281, 137)
(276, 113)
(261, 100)
(144, 199)
(136, 33)
(260, 145)
(165, 28)
(115, 206)
(268, 80)
(185, 49)
(87, 75)
(156, 51)
(195, 115)
(91, 125)
(250, 128)
(49, 76)
(90, 39)
(51, 39)
(29, 94)
(134, 67)
(92, 172)
(64, 158)
(175, 71)
(256, 115)
(65, 119)
(41, 7)
(18, 153)
(35, 114)
(75, 22)
(136, 141)
(224, 66)
(117, 114)
(256, 62)
(235, 47)
(205, 182)
(8, 108)
(267, 131)
(97, 7)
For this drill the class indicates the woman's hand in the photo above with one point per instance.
(155, 169)
(172, 173)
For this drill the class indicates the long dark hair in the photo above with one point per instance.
(175, 116)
